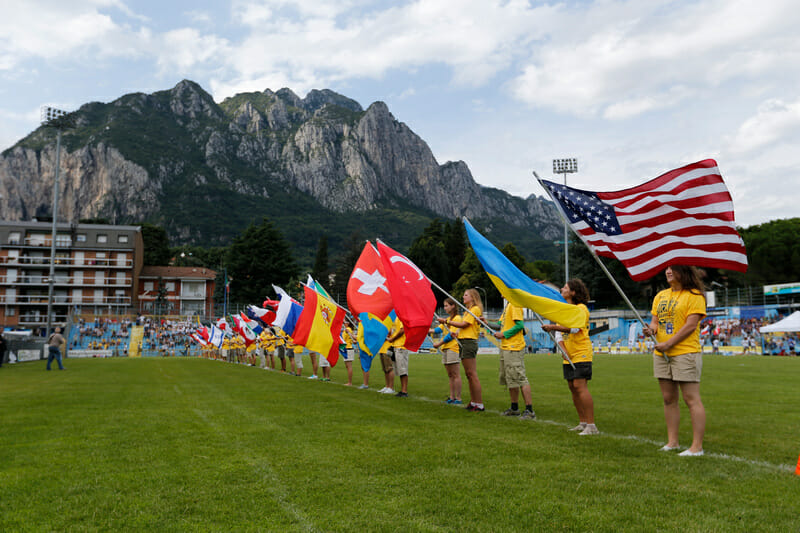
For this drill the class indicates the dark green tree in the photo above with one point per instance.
(352, 248)
(156, 245)
(320, 271)
(258, 258)
(773, 253)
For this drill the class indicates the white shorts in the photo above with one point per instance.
(323, 361)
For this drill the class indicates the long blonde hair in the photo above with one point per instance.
(476, 298)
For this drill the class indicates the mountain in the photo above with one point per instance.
(317, 165)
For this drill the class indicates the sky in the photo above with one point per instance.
(631, 89)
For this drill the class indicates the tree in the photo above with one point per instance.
(345, 263)
(320, 270)
(773, 253)
(156, 245)
(257, 259)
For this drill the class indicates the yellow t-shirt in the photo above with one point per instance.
(452, 344)
(399, 342)
(473, 329)
(672, 308)
(511, 314)
(579, 346)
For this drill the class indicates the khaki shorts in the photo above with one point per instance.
(512, 369)
(685, 367)
(450, 357)
(386, 363)
(401, 362)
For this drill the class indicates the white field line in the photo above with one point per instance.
(636, 438)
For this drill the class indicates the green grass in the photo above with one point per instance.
(188, 444)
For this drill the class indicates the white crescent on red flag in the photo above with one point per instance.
(412, 295)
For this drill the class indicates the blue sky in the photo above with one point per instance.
(630, 88)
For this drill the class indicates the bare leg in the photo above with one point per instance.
(672, 413)
(697, 412)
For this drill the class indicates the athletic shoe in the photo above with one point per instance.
(313, 376)
(402, 394)
(457, 402)
(510, 412)
(449, 400)
(689, 453)
(590, 429)
(383, 390)
(579, 427)
(527, 415)
(474, 408)
(387, 390)
(668, 448)
(362, 386)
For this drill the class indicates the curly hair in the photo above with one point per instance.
(581, 293)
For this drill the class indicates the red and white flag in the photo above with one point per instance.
(367, 291)
(683, 217)
(411, 292)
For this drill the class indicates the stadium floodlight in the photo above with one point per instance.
(565, 166)
(60, 120)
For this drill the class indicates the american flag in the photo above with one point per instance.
(684, 216)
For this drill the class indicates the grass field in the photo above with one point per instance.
(192, 444)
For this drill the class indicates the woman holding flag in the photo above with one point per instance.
(468, 331)
(677, 312)
(449, 348)
(577, 346)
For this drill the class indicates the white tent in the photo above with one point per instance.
(790, 323)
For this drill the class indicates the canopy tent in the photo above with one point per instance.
(790, 323)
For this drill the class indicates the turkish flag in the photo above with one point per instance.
(411, 292)
(367, 291)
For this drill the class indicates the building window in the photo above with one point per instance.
(122, 239)
(170, 286)
(63, 240)
(80, 237)
(148, 285)
(10, 311)
(102, 238)
(14, 237)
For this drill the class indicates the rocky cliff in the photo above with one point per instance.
(204, 169)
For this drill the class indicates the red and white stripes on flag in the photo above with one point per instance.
(684, 216)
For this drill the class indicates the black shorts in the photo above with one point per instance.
(582, 371)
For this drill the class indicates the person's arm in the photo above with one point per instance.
(518, 326)
(681, 334)
(651, 329)
(560, 328)
(396, 334)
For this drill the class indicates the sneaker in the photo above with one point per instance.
(590, 429)
(689, 453)
(449, 401)
(470, 407)
(510, 412)
(668, 448)
(313, 376)
(363, 386)
(388, 390)
(579, 427)
(527, 415)
(474, 408)
(383, 390)
(402, 394)
(457, 402)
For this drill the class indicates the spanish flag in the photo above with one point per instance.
(518, 288)
(319, 325)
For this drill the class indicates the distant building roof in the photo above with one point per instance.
(173, 272)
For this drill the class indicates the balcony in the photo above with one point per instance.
(66, 281)
(37, 299)
(67, 261)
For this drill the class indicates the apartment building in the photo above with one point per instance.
(173, 290)
(96, 270)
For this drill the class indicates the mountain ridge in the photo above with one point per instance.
(204, 169)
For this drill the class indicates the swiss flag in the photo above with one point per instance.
(367, 291)
(411, 292)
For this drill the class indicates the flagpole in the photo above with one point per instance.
(596, 258)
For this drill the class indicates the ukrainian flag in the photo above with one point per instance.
(518, 288)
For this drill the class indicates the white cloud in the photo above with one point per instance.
(621, 58)
(776, 121)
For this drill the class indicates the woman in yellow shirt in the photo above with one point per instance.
(677, 313)
(576, 344)
(448, 345)
(468, 331)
